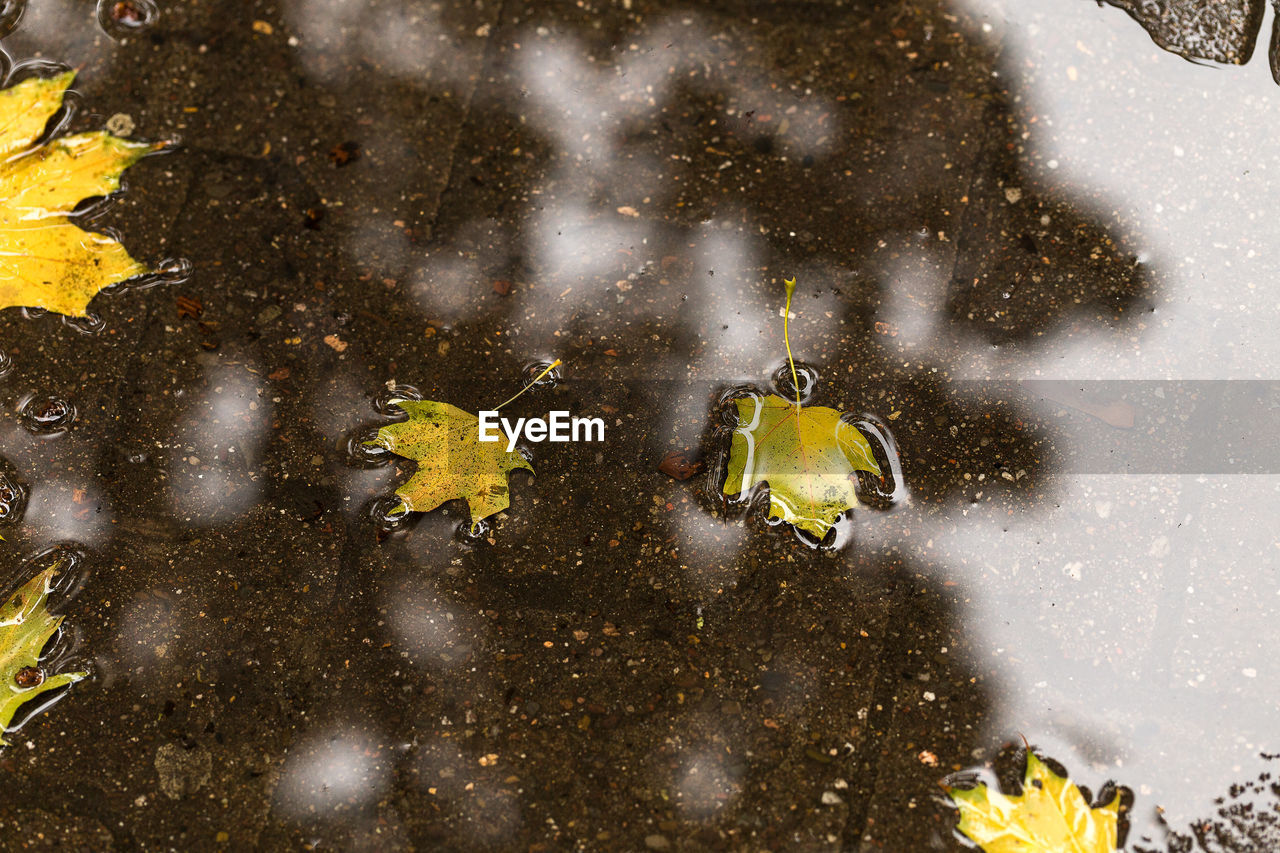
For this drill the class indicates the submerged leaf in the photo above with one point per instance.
(1050, 816)
(45, 260)
(807, 455)
(25, 627)
(452, 461)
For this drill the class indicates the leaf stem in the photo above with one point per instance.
(550, 367)
(790, 284)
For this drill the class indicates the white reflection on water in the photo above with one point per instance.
(433, 632)
(1180, 155)
(740, 334)
(444, 286)
(1124, 619)
(333, 35)
(708, 546)
(593, 223)
(1125, 626)
(213, 463)
(706, 784)
(61, 510)
(333, 771)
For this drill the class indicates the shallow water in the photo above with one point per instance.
(1033, 245)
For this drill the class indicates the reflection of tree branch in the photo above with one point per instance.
(1248, 819)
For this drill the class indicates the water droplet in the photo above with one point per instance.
(47, 415)
(533, 368)
(13, 498)
(389, 513)
(29, 676)
(806, 374)
(727, 405)
(6, 363)
(474, 534)
(10, 13)
(170, 271)
(890, 488)
(383, 402)
(122, 18)
(363, 453)
(90, 324)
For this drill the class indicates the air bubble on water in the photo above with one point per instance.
(727, 406)
(47, 415)
(6, 363)
(123, 18)
(10, 13)
(170, 271)
(473, 533)
(806, 374)
(13, 498)
(889, 490)
(363, 451)
(531, 370)
(725, 419)
(389, 513)
(174, 270)
(385, 402)
(90, 324)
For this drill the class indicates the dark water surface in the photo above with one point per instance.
(976, 197)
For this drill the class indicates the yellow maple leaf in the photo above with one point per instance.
(807, 456)
(45, 260)
(1049, 816)
(452, 461)
(25, 628)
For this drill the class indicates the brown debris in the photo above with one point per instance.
(189, 307)
(680, 464)
(344, 154)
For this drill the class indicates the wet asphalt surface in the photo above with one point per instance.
(438, 194)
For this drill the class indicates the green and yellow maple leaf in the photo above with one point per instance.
(806, 455)
(1051, 815)
(45, 260)
(25, 627)
(452, 461)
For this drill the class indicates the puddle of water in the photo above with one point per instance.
(434, 201)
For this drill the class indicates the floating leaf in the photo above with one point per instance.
(1049, 816)
(807, 455)
(452, 461)
(25, 627)
(45, 260)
